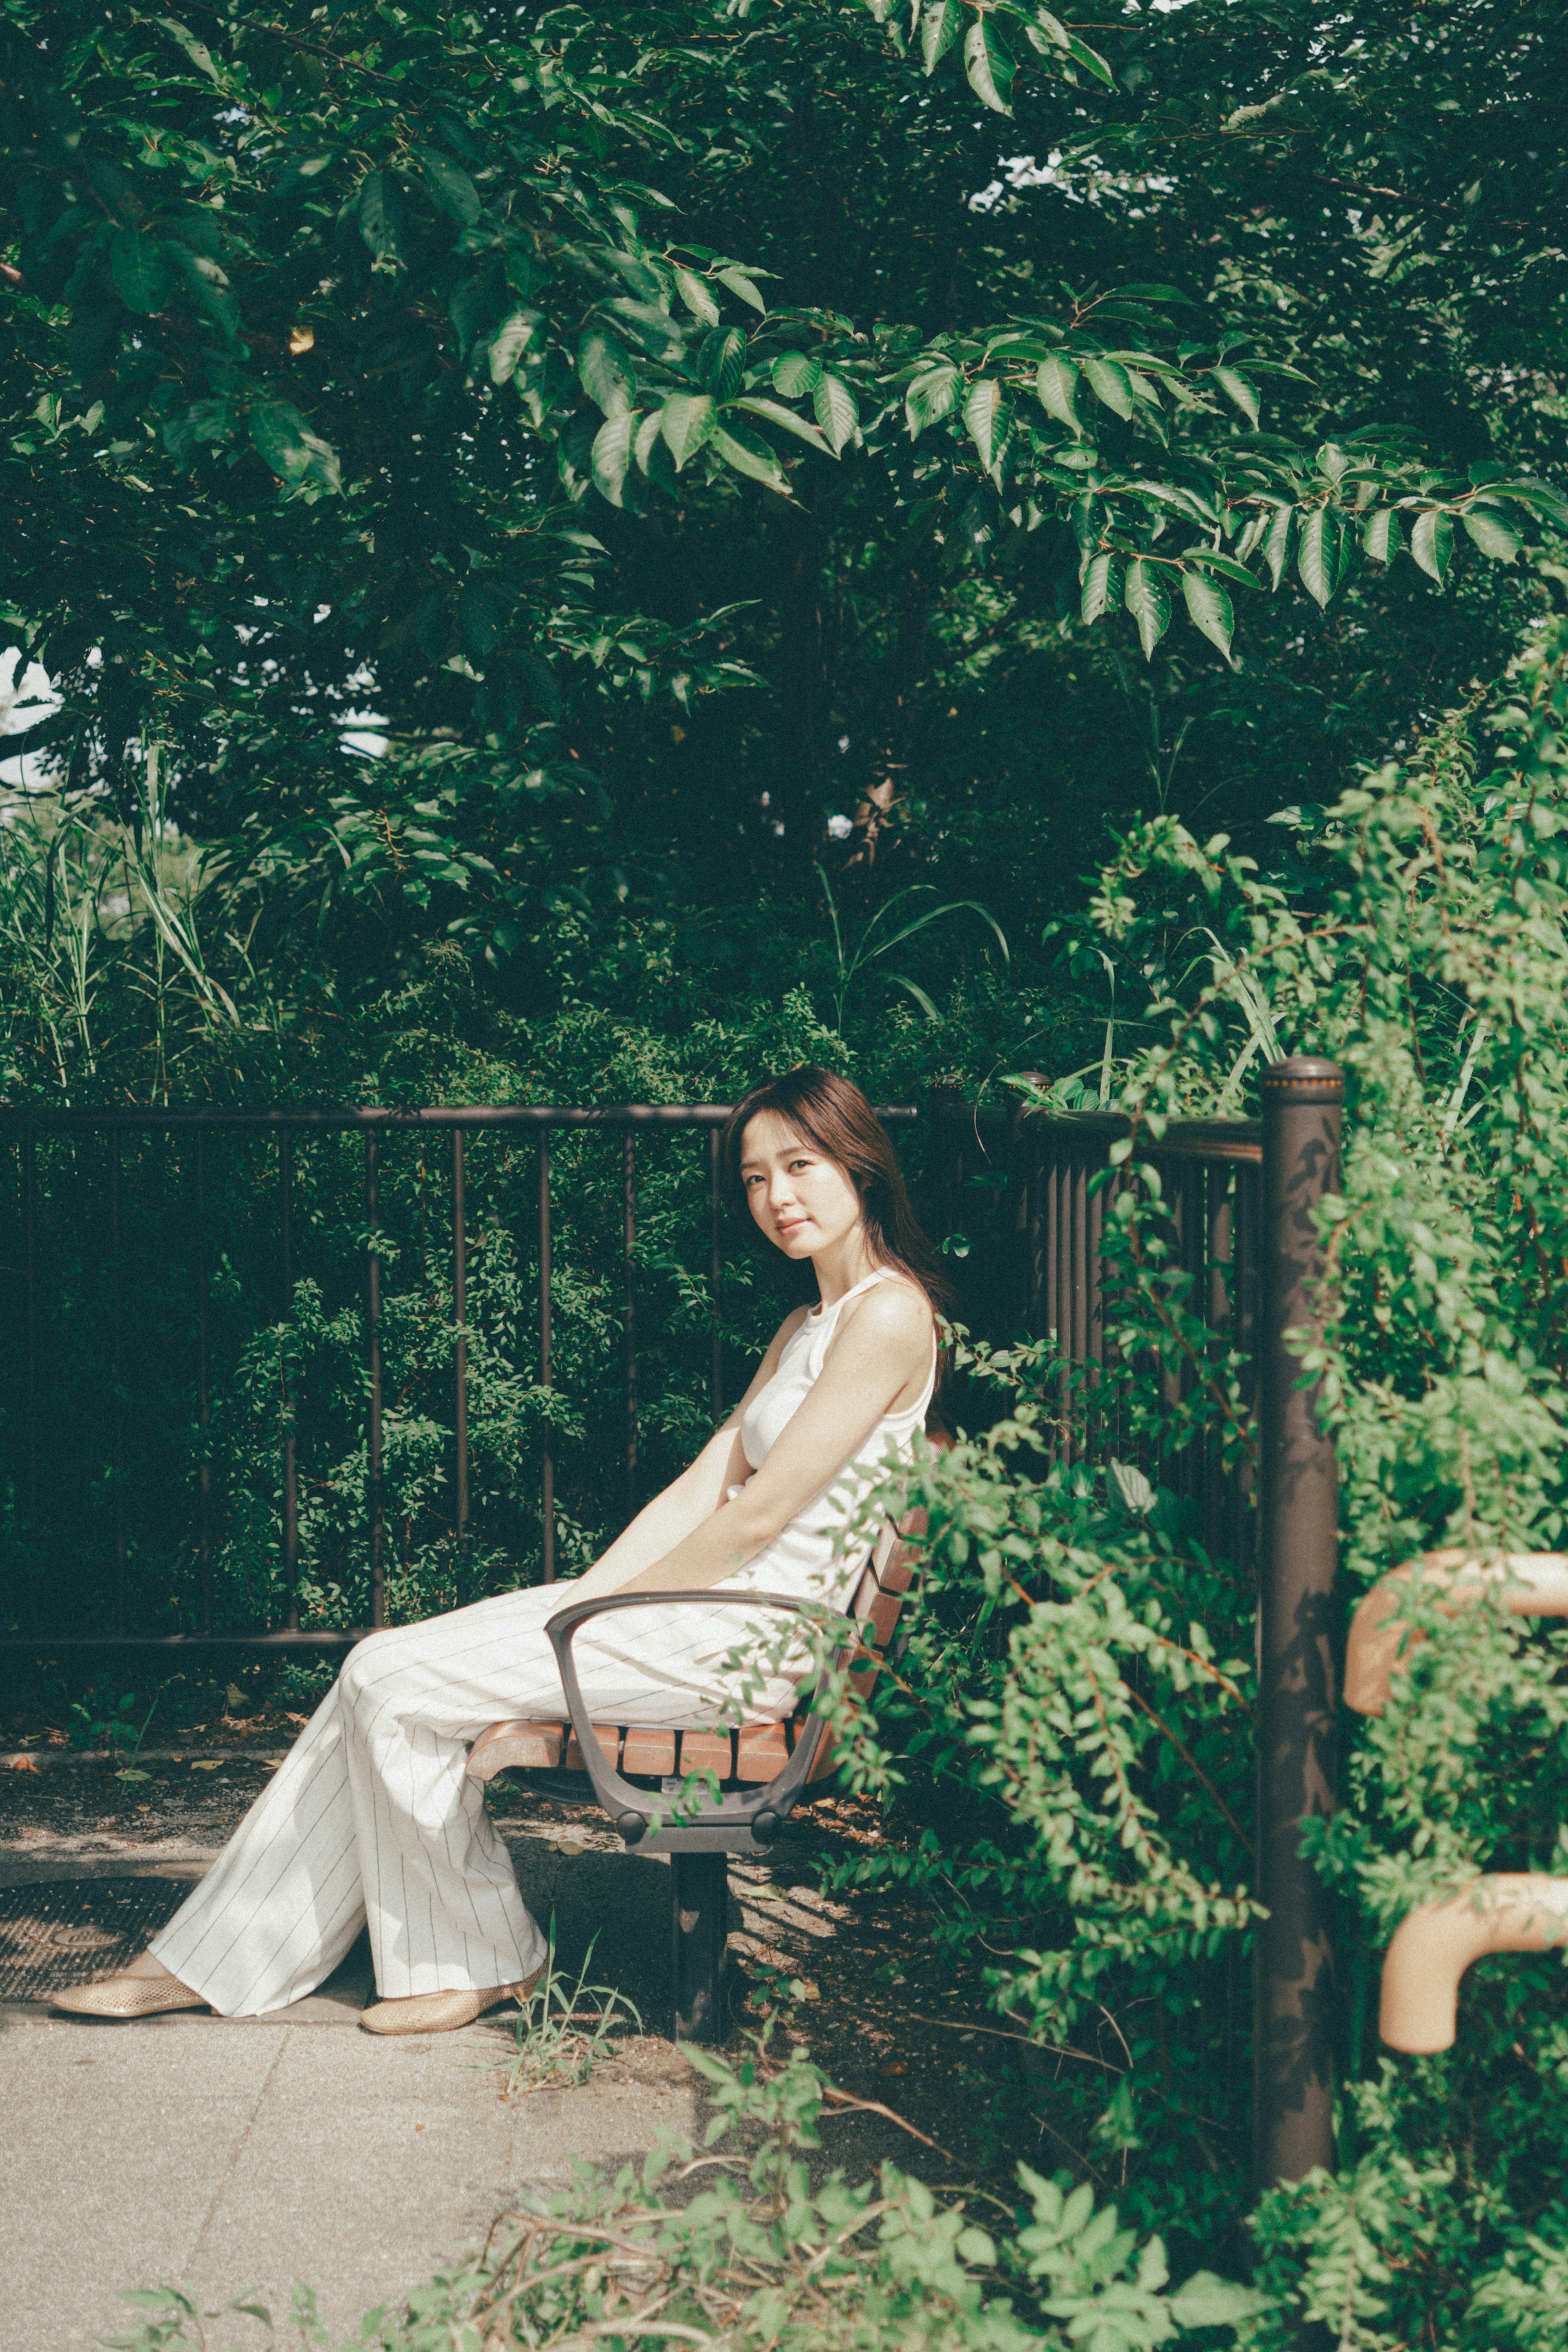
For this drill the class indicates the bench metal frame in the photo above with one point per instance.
(701, 1835)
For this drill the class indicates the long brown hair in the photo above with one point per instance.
(832, 1114)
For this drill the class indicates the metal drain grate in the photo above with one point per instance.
(72, 1930)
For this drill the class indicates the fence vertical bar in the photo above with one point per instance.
(1292, 2041)
(1034, 1227)
(460, 1355)
(30, 1306)
(1218, 1315)
(204, 1401)
(629, 1256)
(1244, 1308)
(715, 1268)
(290, 1460)
(117, 1379)
(1053, 1270)
(374, 1337)
(547, 1464)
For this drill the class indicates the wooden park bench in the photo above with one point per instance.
(762, 1771)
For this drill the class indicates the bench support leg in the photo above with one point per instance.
(701, 1906)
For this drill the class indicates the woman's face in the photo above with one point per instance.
(803, 1202)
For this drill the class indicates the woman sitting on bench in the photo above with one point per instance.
(372, 1818)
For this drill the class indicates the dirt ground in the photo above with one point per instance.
(884, 2010)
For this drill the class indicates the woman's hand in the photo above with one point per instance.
(689, 1500)
(880, 1354)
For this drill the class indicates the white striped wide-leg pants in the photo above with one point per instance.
(370, 1820)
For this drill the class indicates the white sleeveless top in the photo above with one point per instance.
(805, 1558)
(664, 1666)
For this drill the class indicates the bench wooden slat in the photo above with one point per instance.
(707, 1751)
(516, 1746)
(762, 1750)
(649, 1752)
(609, 1738)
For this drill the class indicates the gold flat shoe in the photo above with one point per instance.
(123, 1997)
(442, 2013)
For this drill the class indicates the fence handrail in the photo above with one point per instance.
(396, 1114)
(1179, 1139)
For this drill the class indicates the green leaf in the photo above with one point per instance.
(1381, 535)
(685, 422)
(989, 63)
(653, 453)
(509, 342)
(453, 190)
(939, 24)
(611, 454)
(1240, 390)
(1317, 556)
(198, 53)
(287, 443)
(795, 374)
(739, 283)
(1432, 543)
(1206, 2301)
(694, 294)
(481, 617)
(931, 395)
(1079, 51)
(987, 414)
(836, 412)
(786, 420)
(1147, 599)
(1276, 543)
(901, 980)
(607, 374)
(749, 454)
(721, 362)
(377, 213)
(1209, 609)
(1213, 559)
(140, 274)
(1109, 382)
(1056, 382)
(1101, 586)
(1491, 534)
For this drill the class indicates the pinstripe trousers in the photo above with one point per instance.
(370, 1820)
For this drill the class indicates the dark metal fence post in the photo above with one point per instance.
(715, 1268)
(117, 1379)
(31, 1253)
(1292, 2045)
(460, 1317)
(290, 1455)
(547, 1463)
(628, 1253)
(374, 1437)
(204, 1401)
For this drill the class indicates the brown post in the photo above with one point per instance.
(547, 1463)
(1294, 1990)
(460, 1367)
(374, 1497)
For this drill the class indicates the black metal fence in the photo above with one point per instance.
(49, 1479)
(1017, 1188)
(1014, 1192)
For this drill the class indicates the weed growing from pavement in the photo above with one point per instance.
(565, 2029)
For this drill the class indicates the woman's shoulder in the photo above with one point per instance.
(893, 1309)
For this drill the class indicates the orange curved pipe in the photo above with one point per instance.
(1529, 1584)
(1520, 1911)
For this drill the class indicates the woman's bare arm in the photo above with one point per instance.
(688, 1500)
(880, 1353)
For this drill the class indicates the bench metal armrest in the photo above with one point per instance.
(739, 1824)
